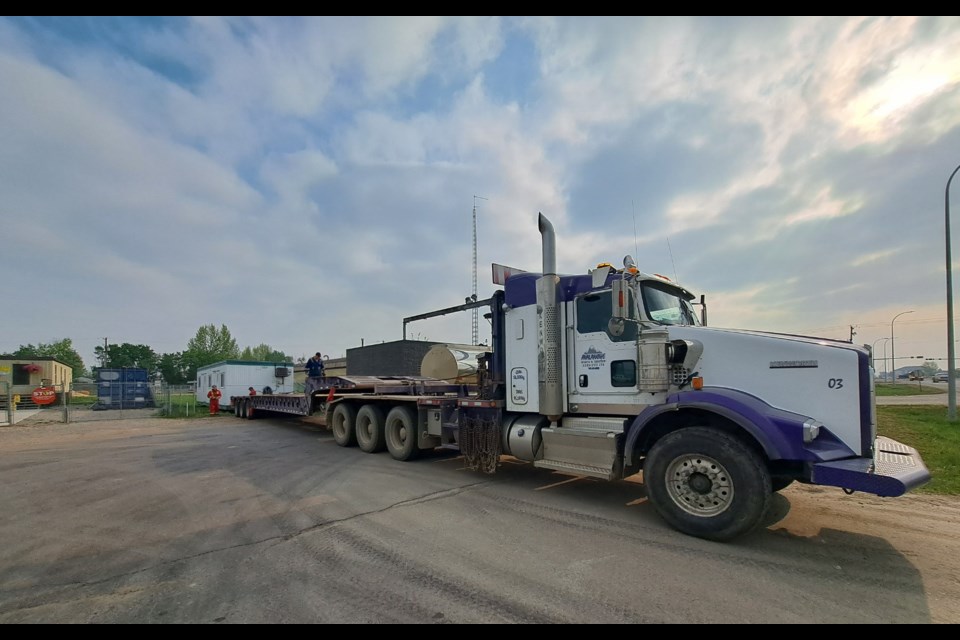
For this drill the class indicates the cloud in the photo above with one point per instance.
(310, 182)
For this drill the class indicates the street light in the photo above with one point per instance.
(951, 382)
(887, 340)
(872, 351)
(893, 361)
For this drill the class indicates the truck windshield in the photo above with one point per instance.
(667, 305)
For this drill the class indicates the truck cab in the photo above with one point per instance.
(612, 373)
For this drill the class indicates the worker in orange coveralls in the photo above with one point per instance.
(214, 394)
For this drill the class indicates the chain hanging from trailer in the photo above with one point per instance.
(480, 443)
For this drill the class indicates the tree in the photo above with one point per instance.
(930, 367)
(208, 346)
(174, 369)
(263, 353)
(127, 355)
(62, 350)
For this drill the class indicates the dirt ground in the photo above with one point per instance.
(925, 529)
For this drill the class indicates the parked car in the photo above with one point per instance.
(941, 376)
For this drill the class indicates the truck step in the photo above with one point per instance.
(594, 423)
(575, 469)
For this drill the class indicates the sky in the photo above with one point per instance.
(310, 182)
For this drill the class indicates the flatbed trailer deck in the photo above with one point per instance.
(371, 389)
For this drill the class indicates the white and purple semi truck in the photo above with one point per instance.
(614, 373)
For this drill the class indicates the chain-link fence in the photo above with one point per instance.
(179, 401)
(106, 400)
(46, 403)
(6, 404)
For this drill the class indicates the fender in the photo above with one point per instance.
(779, 432)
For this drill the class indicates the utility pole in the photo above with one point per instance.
(951, 343)
(893, 360)
(475, 324)
(852, 333)
(103, 358)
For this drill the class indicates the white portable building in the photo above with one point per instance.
(235, 377)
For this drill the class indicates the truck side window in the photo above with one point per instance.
(623, 373)
(594, 311)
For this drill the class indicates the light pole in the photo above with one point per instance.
(886, 341)
(874, 347)
(893, 362)
(951, 382)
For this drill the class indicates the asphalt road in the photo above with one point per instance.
(224, 520)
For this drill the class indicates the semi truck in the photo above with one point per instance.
(615, 373)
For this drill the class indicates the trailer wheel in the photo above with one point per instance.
(342, 425)
(400, 433)
(707, 483)
(238, 408)
(248, 411)
(369, 427)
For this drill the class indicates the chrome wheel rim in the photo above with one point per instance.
(699, 485)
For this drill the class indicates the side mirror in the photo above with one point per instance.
(616, 327)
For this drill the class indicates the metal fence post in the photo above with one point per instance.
(63, 403)
(9, 397)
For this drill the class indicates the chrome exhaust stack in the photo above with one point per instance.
(550, 361)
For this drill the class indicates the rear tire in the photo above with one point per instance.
(707, 483)
(342, 425)
(248, 410)
(400, 433)
(369, 428)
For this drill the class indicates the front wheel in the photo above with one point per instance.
(707, 483)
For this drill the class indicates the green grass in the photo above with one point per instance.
(81, 401)
(926, 429)
(182, 405)
(909, 388)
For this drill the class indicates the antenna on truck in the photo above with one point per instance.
(676, 278)
(476, 312)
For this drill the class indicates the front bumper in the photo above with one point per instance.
(894, 470)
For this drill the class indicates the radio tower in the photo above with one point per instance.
(476, 312)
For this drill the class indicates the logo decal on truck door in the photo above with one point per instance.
(593, 359)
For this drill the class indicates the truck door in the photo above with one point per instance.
(605, 366)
